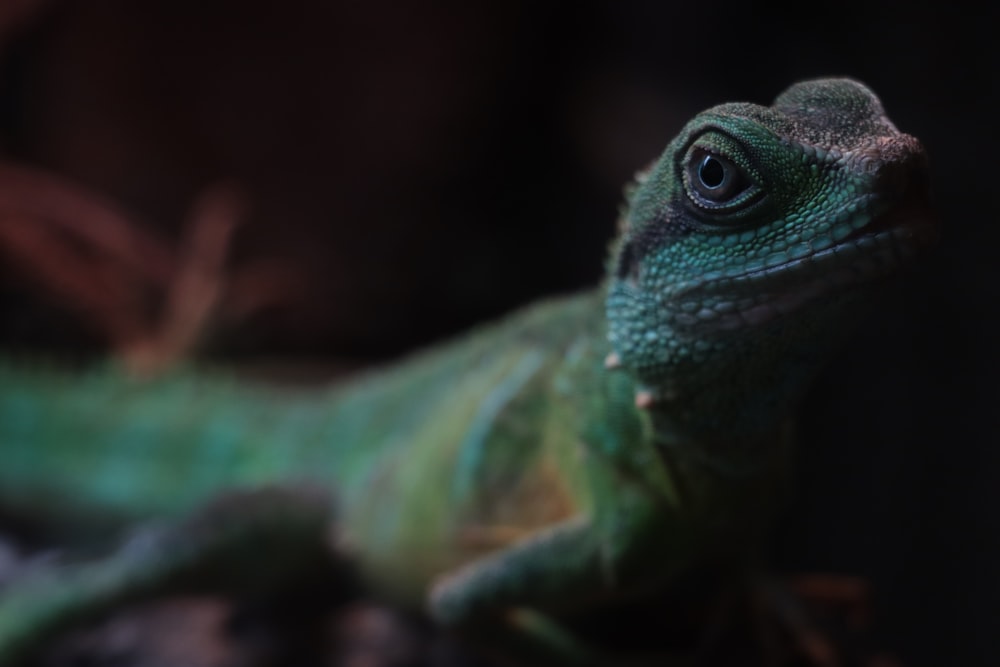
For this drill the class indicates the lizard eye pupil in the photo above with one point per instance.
(714, 180)
(711, 172)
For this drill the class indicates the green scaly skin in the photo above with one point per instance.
(584, 451)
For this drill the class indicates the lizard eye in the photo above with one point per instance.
(714, 180)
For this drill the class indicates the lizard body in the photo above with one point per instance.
(585, 450)
(169, 445)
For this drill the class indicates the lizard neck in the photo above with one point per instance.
(731, 414)
(688, 444)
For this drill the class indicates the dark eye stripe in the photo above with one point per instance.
(714, 173)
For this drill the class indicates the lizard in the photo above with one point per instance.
(583, 452)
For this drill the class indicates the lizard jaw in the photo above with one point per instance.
(871, 253)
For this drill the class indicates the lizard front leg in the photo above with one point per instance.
(535, 572)
(508, 602)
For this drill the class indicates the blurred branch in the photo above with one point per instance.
(91, 287)
(96, 223)
(155, 303)
(197, 282)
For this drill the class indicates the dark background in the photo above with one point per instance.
(414, 168)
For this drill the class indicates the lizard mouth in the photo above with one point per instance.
(869, 254)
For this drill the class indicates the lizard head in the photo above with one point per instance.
(754, 236)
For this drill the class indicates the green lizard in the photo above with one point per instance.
(584, 452)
